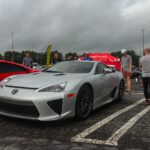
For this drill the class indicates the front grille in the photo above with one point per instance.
(18, 108)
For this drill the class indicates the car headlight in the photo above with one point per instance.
(6, 80)
(54, 88)
(3, 82)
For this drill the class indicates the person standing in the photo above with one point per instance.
(76, 57)
(69, 58)
(144, 65)
(87, 57)
(126, 67)
(28, 61)
(56, 59)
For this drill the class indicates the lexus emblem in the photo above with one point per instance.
(14, 91)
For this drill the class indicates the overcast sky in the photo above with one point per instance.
(74, 25)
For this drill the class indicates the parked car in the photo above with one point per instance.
(67, 89)
(8, 68)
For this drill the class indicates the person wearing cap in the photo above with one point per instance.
(126, 66)
(87, 57)
(144, 65)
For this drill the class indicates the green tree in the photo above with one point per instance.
(8, 55)
(36, 56)
(67, 55)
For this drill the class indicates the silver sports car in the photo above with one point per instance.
(68, 89)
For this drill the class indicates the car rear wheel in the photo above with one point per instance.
(121, 91)
(84, 102)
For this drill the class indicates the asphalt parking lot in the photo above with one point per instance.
(117, 126)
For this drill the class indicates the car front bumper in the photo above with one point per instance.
(29, 104)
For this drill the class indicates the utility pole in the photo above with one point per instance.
(143, 40)
(12, 58)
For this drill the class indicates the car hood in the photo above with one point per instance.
(40, 79)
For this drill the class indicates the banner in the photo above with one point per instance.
(48, 55)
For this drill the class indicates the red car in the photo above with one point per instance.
(8, 68)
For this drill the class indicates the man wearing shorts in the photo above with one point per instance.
(126, 66)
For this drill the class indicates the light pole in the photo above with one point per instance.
(12, 58)
(143, 40)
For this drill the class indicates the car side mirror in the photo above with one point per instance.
(107, 71)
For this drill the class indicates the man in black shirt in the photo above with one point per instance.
(56, 59)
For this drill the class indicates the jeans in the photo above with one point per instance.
(146, 85)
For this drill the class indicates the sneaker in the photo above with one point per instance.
(136, 79)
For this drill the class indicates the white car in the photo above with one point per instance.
(67, 89)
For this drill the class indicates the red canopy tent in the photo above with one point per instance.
(106, 58)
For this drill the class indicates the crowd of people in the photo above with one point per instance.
(56, 59)
(144, 66)
(126, 68)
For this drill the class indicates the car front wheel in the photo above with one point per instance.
(84, 102)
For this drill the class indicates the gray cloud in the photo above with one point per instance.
(98, 25)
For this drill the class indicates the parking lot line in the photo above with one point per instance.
(81, 136)
(113, 140)
(120, 132)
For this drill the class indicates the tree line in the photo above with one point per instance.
(40, 57)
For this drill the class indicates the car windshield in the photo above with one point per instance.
(71, 67)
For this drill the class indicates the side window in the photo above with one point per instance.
(100, 68)
(6, 68)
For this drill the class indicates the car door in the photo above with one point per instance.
(102, 85)
(7, 70)
(110, 81)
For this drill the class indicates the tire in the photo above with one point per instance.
(84, 103)
(121, 91)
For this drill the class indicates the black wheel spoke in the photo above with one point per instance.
(84, 102)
